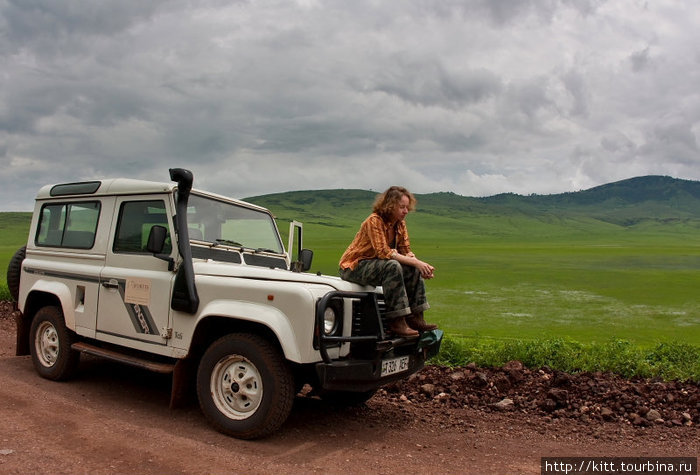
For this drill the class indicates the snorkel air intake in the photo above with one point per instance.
(185, 298)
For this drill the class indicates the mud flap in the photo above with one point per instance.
(23, 324)
(183, 391)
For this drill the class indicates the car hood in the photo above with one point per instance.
(223, 269)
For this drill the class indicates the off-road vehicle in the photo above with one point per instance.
(181, 281)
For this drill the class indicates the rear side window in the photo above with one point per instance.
(136, 218)
(71, 225)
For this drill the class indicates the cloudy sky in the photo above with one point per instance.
(476, 97)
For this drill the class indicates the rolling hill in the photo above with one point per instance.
(657, 202)
(649, 199)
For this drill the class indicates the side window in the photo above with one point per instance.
(136, 218)
(71, 225)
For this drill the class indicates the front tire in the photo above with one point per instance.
(50, 346)
(244, 385)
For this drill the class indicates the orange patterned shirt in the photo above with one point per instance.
(372, 242)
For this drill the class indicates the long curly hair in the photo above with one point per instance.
(385, 203)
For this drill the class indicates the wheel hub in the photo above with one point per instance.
(47, 344)
(236, 387)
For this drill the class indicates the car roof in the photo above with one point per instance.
(112, 186)
(123, 186)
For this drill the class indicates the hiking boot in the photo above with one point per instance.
(417, 322)
(399, 328)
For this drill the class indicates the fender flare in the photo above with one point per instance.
(61, 292)
(264, 315)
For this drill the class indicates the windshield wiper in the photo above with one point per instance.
(242, 247)
(228, 242)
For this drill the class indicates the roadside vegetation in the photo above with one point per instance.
(13, 235)
(588, 281)
(667, 361)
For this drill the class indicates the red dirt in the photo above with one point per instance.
(115, 419)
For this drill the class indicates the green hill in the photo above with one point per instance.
(625, 202)
(650, 204)
(664, 204)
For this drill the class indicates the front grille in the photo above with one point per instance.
(364, 321)
(382, 311)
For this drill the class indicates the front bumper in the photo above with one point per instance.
(365, 375)
(362, 370)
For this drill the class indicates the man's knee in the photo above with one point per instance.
(393, 266)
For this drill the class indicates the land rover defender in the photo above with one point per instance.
(200, 286)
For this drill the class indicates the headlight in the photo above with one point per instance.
(330, 320)
(333, 317)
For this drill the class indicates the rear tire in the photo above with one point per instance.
(244, 385)
(50, 345)
(14, 271)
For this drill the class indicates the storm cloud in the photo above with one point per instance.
(476, 97)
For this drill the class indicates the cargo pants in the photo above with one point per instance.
(403, 286)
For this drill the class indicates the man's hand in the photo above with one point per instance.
(426, 270)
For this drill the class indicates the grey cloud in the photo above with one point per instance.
(476, 97)
(640, 60)
(502, 12)
(528, 98)
(50, 28)
(428, 83)
(576, 85)
(585, 7)
(675, 139)
(618, 143)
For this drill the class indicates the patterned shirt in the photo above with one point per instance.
(372, 242)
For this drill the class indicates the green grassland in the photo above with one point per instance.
(580, 288)
(550, 281)
(513, 275)
(517, 277)
(13, 235)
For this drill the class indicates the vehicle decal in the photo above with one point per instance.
(63, 275)
(126, 337)
(139, 314)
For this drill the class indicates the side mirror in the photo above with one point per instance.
(156, 244)
(304, 262)
(306, 256)
(156, 239)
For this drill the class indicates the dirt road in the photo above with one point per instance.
(115, 419)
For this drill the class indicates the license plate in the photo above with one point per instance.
(395, 365)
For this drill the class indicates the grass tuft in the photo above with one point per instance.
(668, 361)
(4, 292)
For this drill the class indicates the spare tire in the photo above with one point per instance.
(14, 269)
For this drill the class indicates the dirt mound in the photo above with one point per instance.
(587, 397)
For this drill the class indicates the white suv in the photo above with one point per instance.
(195, 284)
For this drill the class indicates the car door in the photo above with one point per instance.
(135, 286)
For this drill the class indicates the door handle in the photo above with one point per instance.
(110, 284)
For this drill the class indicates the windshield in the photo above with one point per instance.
(225, 223)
